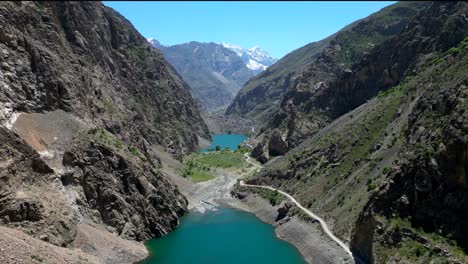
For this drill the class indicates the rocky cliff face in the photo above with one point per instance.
(426, 190)
(261, 95)
(389, 172)
(83, 98)
(109, 74)
(214, 72)
(291, 97)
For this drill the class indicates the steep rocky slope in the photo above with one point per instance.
(262, 93)
(109, 74)
(214, 72)
(283, 96)
(83, 101)
(420, 208)
(389, 172)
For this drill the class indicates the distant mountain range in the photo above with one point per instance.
(215, 72)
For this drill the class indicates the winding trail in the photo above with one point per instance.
(323, 224)
(247, 158)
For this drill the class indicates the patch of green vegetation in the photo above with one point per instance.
(223, 159)
(274, 197)
(36, 258)
(106, 138)
(134, 151)
(414, 251)
(110, 107)
(454, 51)
(102, 136)
(197, 171)
(82, 259)
(242, 149)
(140, 52)
(436, 61)
(371, 185)
(385, 93)
(386, 170)
(197, 174)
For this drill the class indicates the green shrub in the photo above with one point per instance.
(386, 170)
(371, 185)
(454, 51)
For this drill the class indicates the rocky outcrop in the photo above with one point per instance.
(260, 152)
(109, 74)
(121, 191)
(83, 100)
(437, 29)
(428, 186)
(272, 145)
(25, 179)
(289, 97)
(276, 145)
(261, 95)
(390, 174)
(283, 210)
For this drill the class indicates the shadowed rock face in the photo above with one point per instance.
(437, 29)
(428, 184)
(296, 94)
(53, 59)
(390, 170)
(126, 193)
(85, 66)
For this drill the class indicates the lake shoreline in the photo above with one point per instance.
(308, 238)
(314, 246)
(224, 230)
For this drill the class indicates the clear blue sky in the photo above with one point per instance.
(277, 27)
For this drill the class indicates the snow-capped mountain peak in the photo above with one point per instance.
(154, 42)
(237, 49)
(254, 58)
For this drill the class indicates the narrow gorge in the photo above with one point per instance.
(116, 148)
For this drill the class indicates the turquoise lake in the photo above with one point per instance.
(225, 236)
(225, 141)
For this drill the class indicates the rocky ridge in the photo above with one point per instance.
(84, 99)
(214, 73)
(389, 175)
(292, 88)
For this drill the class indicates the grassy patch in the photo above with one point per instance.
(223, 159)
(414, 251)
(454, 51)
(106, 138)
(139, 52)
(196, 171)
(274, 197)
(197, 174)
(199, 167)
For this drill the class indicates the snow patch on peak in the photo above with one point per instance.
(237, 49)
(154, 42)
(253, 65)
(254, 58)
